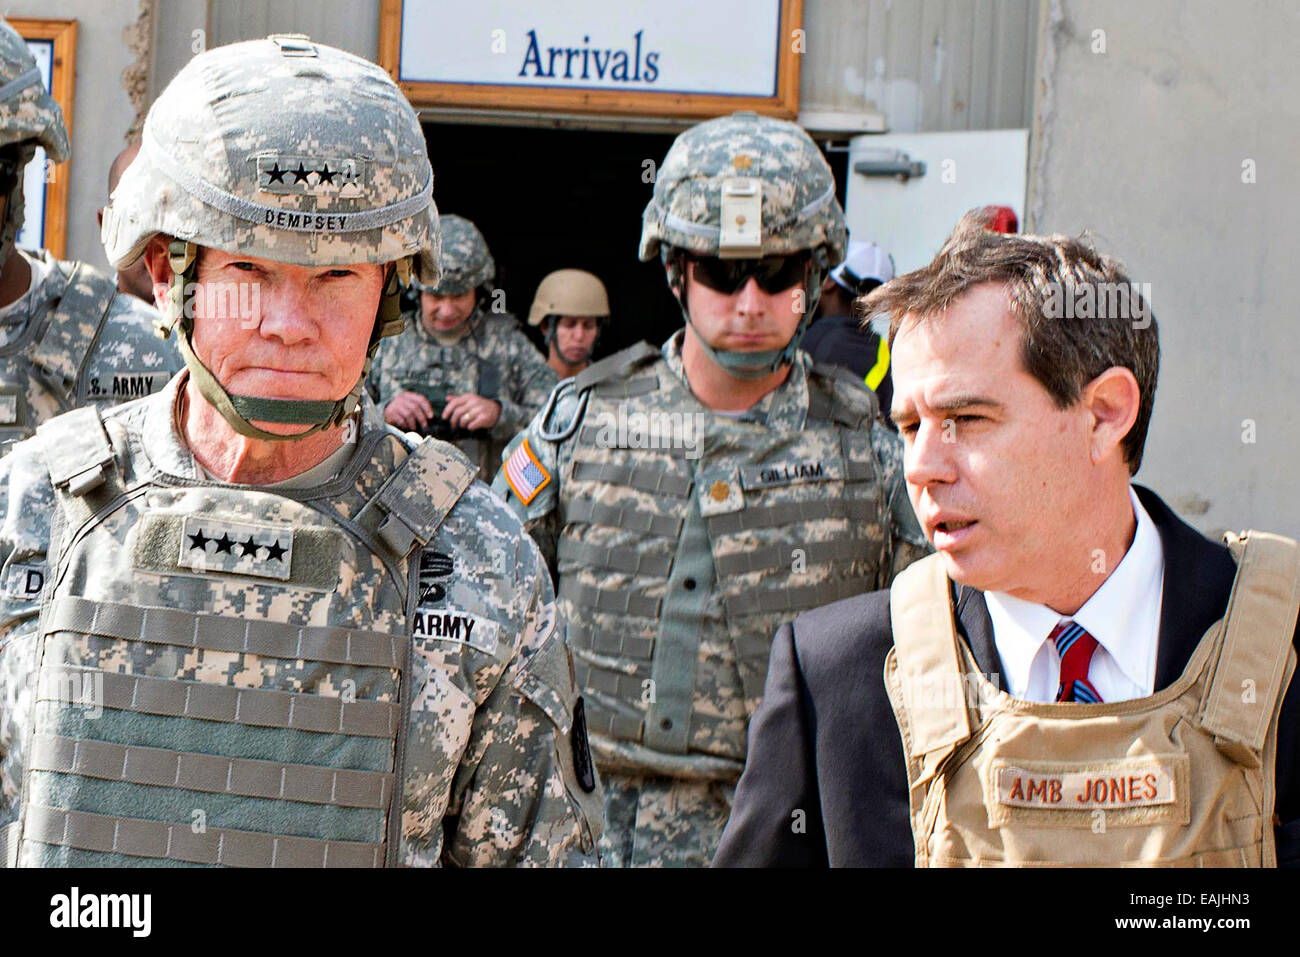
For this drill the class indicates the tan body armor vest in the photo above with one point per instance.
(248, 650)
(664, 548)
(1184, 777)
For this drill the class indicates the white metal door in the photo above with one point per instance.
(911, 218)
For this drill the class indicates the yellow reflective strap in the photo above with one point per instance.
(877, 373)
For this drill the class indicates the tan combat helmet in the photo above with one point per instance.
(569, 292)
(29, 117)
(286, 150)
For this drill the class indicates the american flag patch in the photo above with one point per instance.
(525, 474)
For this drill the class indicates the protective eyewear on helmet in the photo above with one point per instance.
(772, 273)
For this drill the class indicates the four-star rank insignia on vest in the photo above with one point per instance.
(210, 545)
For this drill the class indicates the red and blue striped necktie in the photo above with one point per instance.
(1075, 647)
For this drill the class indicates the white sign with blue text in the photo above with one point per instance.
(722, 47)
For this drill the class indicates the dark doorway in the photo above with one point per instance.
(548, 199)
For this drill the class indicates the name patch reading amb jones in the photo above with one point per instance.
(1145, 785)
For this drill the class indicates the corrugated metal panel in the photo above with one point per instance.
(927, 65)
(351, 25)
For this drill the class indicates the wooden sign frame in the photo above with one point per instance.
(63, 73)
(554, 99)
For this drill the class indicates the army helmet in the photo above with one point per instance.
(465, 262)
(745, 186)
(722, 162)
(287, 150)
(30, 118)
(569, 292)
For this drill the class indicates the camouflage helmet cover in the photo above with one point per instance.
(798, 205)
(27, 111)
(283, 149)
(464, 264)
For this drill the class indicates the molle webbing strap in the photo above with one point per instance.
(603, 641)
(211, 773)
(613, 365)
(656, 480)
(613, 724)
(272, 639)
(794, 598)
(788, 513)
(77, 450)
(595, 435)
(827, 403)
(410, 506)
(74, 326)
(215, 846)
(251, 706)
(925, 643)
(1260, 625)
(626, 517)
(614, 559)
(607, 681)
(628, 388)
(764, 558)
(612, 601)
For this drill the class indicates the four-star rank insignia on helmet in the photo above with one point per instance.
(311, 174)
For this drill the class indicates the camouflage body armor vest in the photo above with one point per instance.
(665, 548)
(1184, 777)
(247, 651)
(42, 367)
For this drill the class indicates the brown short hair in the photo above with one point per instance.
(1079, 312)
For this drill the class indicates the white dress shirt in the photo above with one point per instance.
(1123, 615)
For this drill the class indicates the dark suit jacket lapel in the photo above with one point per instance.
(1198, 581)
(975, 625)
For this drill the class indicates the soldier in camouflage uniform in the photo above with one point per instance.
(244, 621)
(460, 371)
(67, 337)
(696, 497)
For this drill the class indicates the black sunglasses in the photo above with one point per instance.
(772, 273)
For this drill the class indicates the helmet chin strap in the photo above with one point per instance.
(552, 325)
(239, 410)
(753, 365)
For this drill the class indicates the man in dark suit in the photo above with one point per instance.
(1024, 418)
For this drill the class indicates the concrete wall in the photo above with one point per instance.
(1144, 145)
(102, 111)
